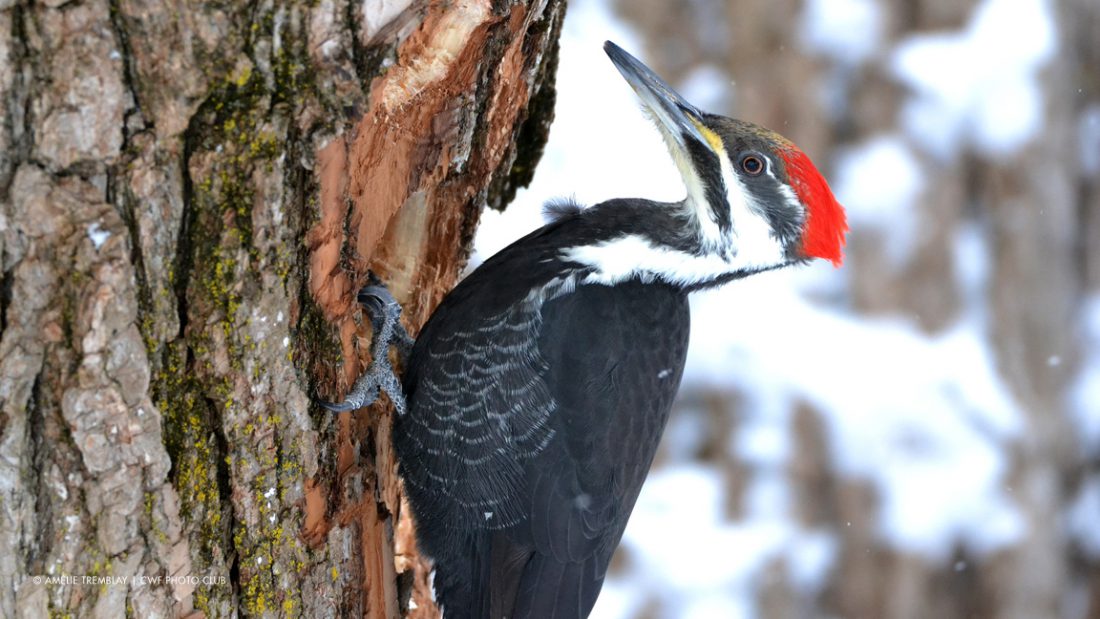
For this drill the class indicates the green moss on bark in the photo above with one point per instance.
(214, 434)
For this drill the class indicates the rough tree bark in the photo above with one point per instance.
(190, 194)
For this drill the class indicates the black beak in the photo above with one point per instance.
(673, 113)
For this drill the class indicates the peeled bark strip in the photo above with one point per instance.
(439, 140)
(190, 194)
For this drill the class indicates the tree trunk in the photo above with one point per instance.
(190, 195)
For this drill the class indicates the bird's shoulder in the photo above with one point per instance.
(492, 368)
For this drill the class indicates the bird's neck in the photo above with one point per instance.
(650, 241)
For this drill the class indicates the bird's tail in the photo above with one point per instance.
(499, 579)
(459, 582)
(552, 589)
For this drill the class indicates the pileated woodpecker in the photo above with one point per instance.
(534, 397)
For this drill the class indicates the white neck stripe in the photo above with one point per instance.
(634, 256)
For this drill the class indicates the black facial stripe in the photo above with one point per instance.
(785, 220)
(709, 169)
(766, 195)
(714, 283)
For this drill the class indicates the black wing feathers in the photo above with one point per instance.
(533, 419)
(615, 356)
(481, 409)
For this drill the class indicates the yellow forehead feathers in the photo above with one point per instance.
(711, 137)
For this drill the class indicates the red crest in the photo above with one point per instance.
(826, 223)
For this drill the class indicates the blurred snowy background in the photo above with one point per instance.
(916, 434)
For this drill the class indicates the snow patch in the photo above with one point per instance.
(810, 557)
(98, 236)
(1085, 393)
(1089, 132)
(720, 581)
(763, 439)
(979, 86)
(926, 419)
(1083, 517)
(708, 88)
(715, 604)
(618, 600)
(878, 182)
(847, 31)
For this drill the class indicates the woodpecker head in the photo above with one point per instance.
(755, 201)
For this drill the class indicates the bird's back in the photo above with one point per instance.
(533, 419)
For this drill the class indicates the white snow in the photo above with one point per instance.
(924, 418)
(878, 182)
(1085, 393)
(619, 599)
(810, 558)
(708, 88)
(1089, 132)
(712, 564)
(763, 438)
(689, 499)
(97, 236)
(847, 31)
(978, 86)
(1083, 517)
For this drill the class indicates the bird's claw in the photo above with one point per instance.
(385, 316)
(364, 392)
(377, 294)
(341, 407)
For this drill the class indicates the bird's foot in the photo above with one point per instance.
(385, 318)
(387, 330)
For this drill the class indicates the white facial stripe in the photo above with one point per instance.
(698, 206)
(696, 201)
(632, 256)
(753, 240)
(752, 245)
(785, 189)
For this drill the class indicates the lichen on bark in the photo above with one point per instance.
(162, 330)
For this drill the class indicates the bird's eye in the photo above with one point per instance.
(753, 165)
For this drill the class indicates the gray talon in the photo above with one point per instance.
(342, 407)
(385, 317)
